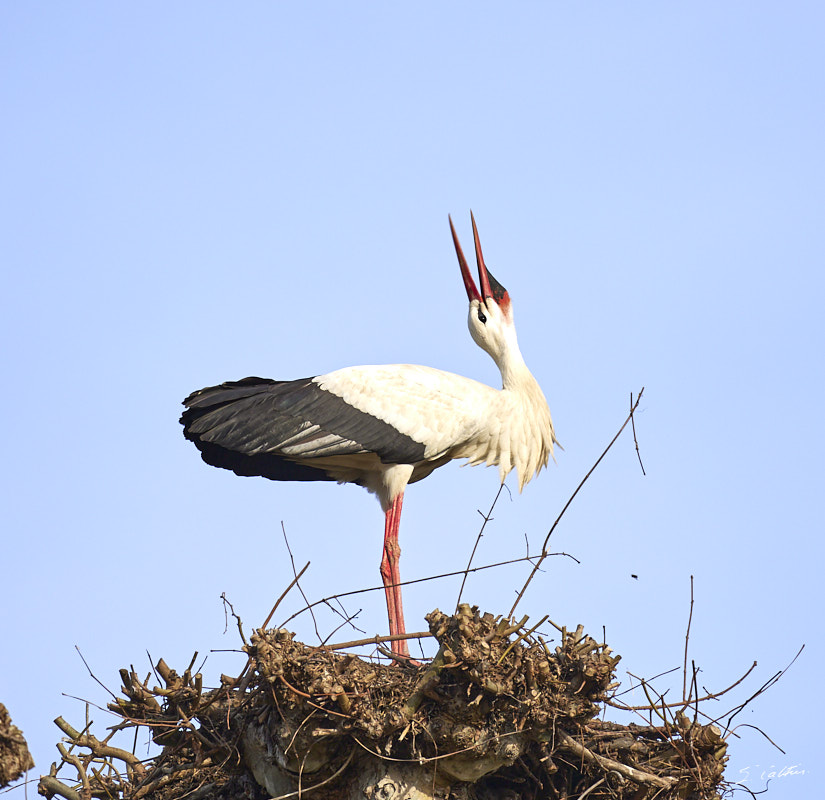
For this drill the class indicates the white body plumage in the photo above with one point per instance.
(452, 416)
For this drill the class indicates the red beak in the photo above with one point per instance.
(497, 291)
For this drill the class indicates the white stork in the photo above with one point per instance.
(383, 427)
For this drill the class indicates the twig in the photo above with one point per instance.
(398, 658)
(396, 637)
(681, 703)
(285, 591)
(765, 686)
(635, 440)
(58, 787)
(487, 517)
(346, 621)
(298, 730)
(100, 749)
(85, 664)
(591, 788)
(295, 573)
(84, 700)
(72, 759)
(544, 552)
(289, 686)
(344, 614)
(632, 688)
(421, 760)
(164, 780)
(608, 764)
(522, 636)
(422, 580)
(424, 682)
(756, 728)
(302, 792)
(694, 689)
(238, 622)
(687, 639)
(654, 707)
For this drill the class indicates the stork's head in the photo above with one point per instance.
(490, 319)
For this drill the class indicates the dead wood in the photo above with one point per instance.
(15, 758)
(496, 714)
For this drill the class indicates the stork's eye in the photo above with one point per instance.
(481, 318)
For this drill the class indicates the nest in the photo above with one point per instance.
(497, 713)
(15, 758)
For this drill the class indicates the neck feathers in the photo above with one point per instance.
(532, 436)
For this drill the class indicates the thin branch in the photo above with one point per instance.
(635, 440)
(422, 580)
(85, 664)
(422, 760)
(681, 703)
(522, 636)
(58, 787)
(396, 637)
(285, 591)
(765, 686)
(347, 616)
(591, 788)
(302, 792)
(72, 759)
(544, 552)
(756, 728)
(608, 764)
(346, 621)
(687, 639)
(295, 573)
(238, 622)
(487, 517)
(98, 748)
(633, 688)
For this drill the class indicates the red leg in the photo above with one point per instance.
(391, 576)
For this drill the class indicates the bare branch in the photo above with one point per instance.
(89, 670)
(375, 640)
(544, 552)
(487, 517)
(633, 425)
(286, 591)
(297, 576)
(687, 639)
(529, 558)
(58, 787)
(608, 764)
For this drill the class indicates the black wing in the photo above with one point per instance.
(276, 428)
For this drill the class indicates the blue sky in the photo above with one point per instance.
(193, 193)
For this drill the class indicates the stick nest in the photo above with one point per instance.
(15, 758)
(497, 713)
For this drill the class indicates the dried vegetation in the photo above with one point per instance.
(497, 713)
(15, 758)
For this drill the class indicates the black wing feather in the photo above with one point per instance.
(246, 425)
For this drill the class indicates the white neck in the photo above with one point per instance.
(514, 372)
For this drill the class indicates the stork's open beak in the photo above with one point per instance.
(490, 287)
